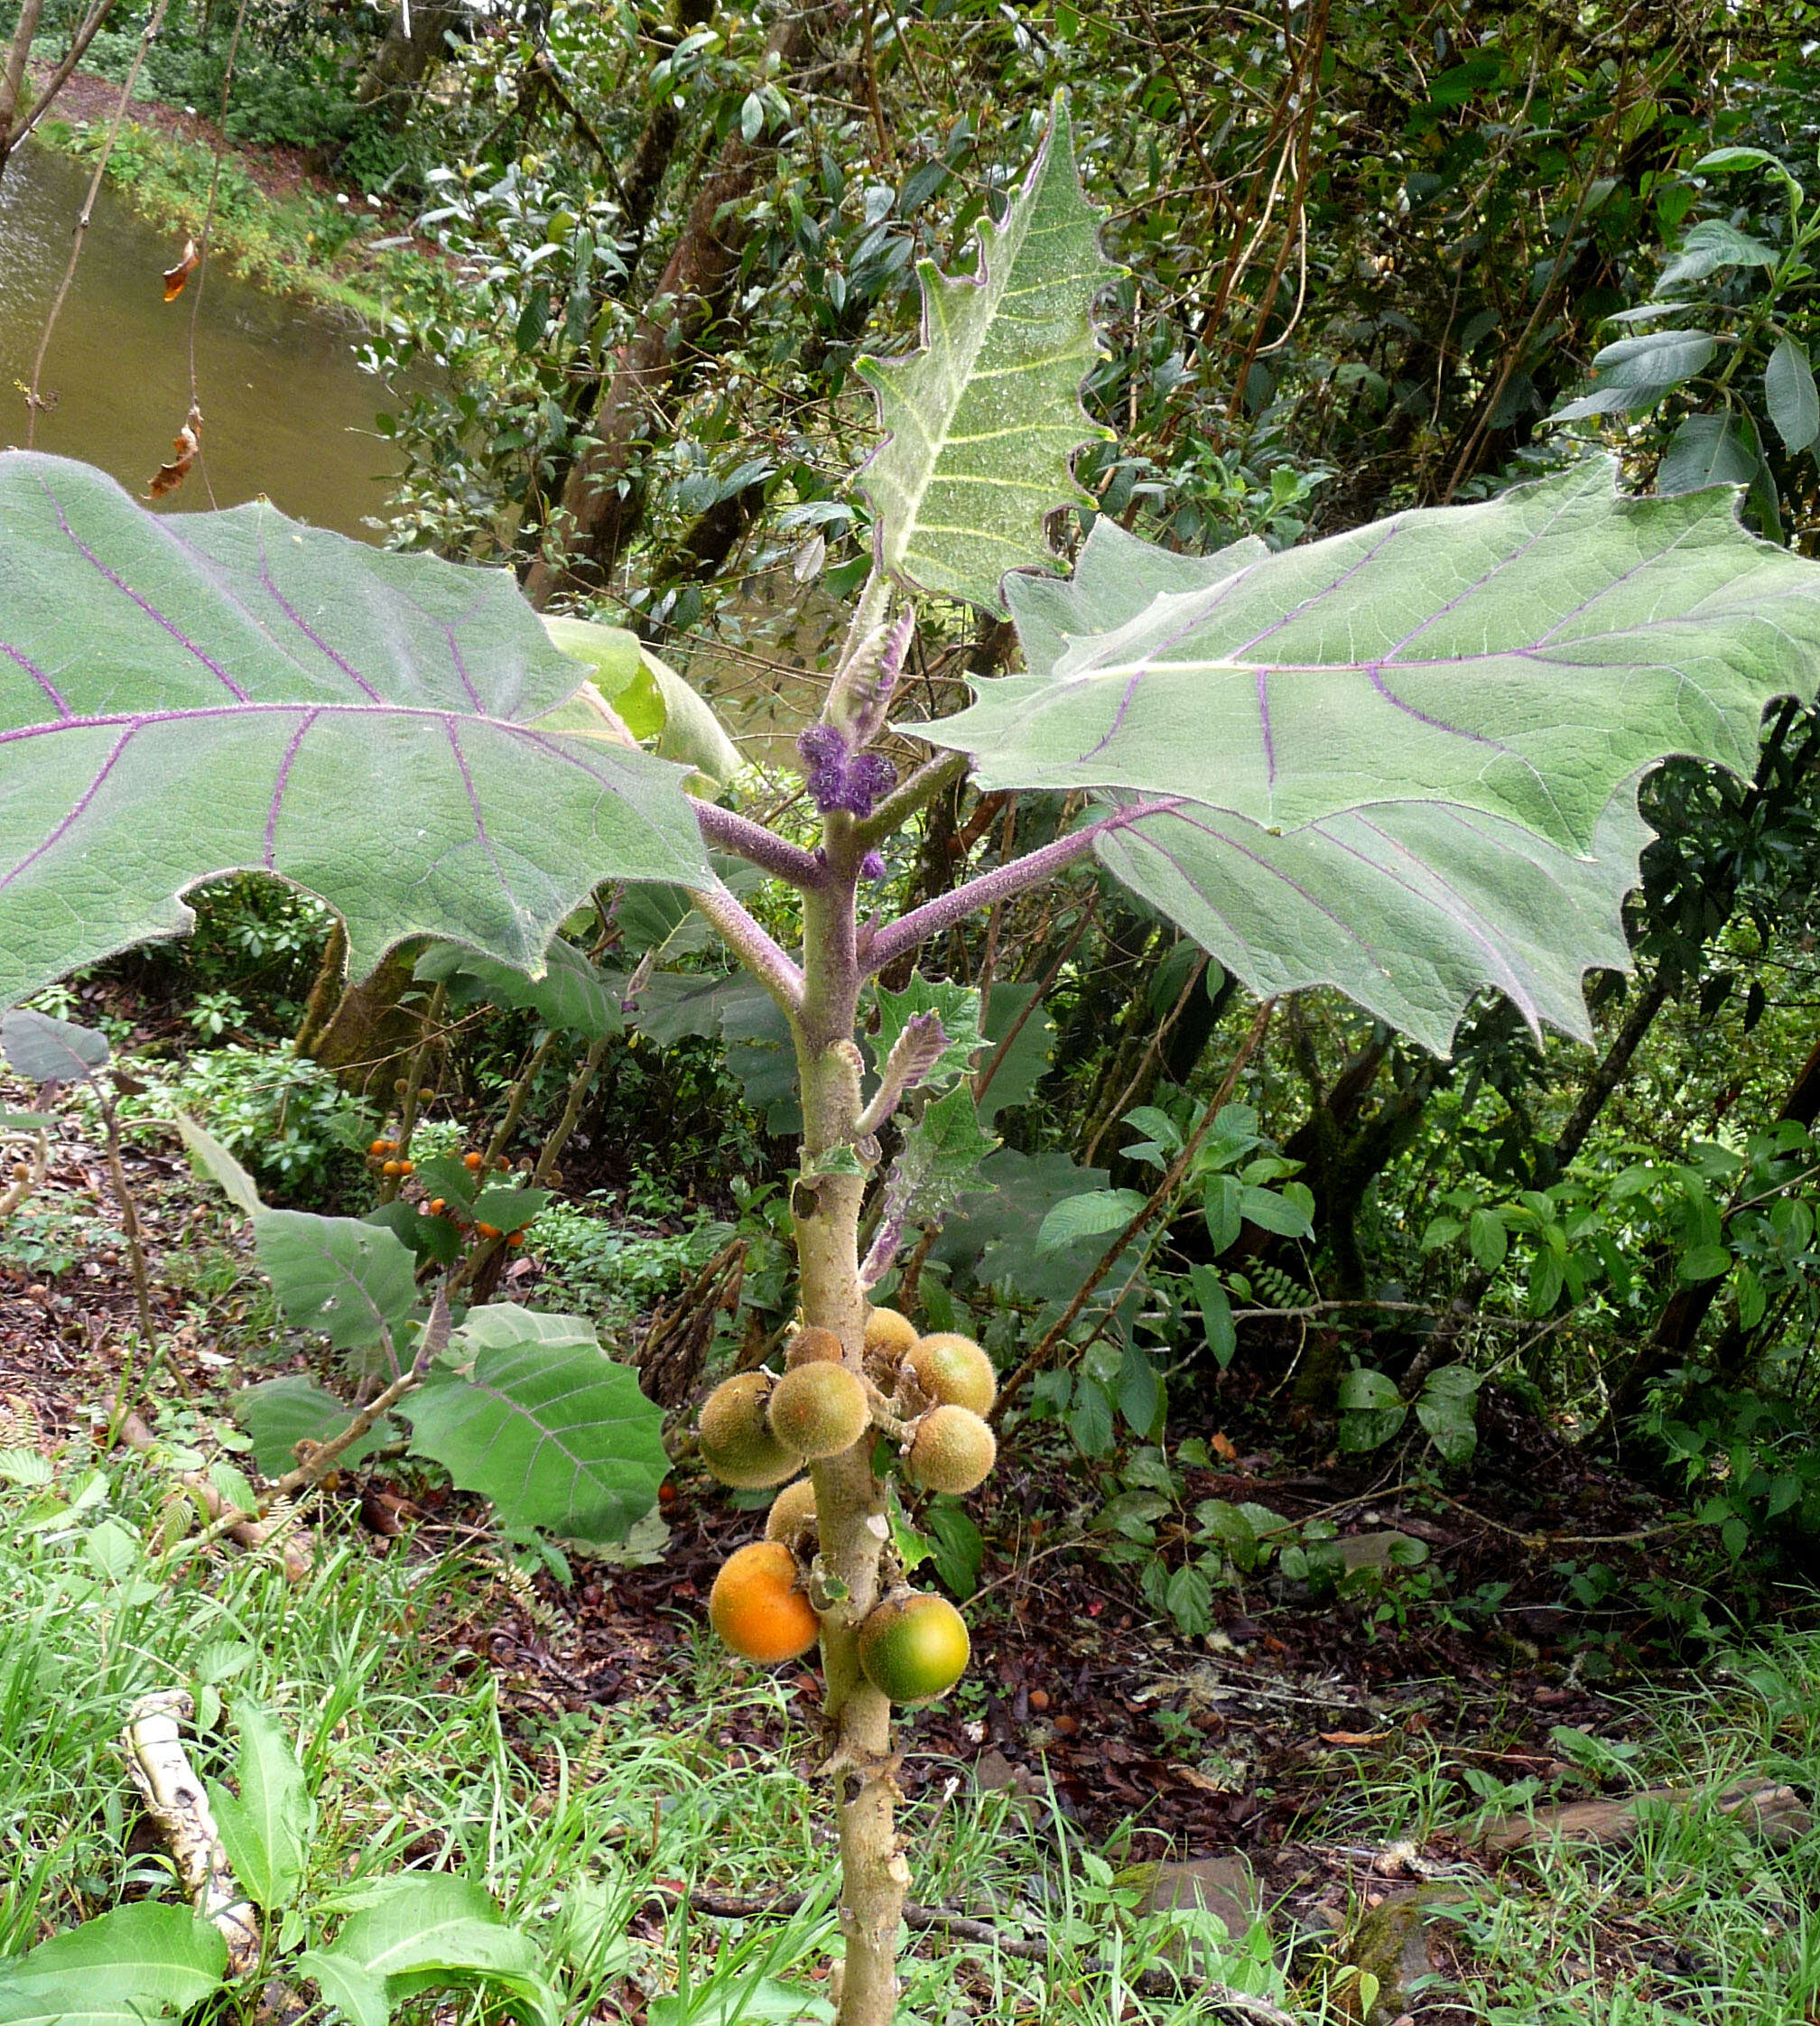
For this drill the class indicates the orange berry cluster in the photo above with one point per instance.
(758, 1428)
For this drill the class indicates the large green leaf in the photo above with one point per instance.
(1403, 760)
(544, 1422)
(354, 1281)
(136, 1964)
(984, 417)
(425, 1930)
(184, 695)
(280, 1413)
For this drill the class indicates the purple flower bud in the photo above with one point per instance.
(872, 865)
(838, 781)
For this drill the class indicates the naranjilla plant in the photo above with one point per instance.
(1402, 761)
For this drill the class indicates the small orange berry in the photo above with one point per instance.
(407, 1167)
(393, 1168)
(502, 1164)
(473, 1163)
(515, 1239)
(381, 1147)
(487, 1230)
(438, 1204)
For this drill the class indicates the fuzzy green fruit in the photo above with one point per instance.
(793, 1513)
(819, 1410)
(953, 1371)
(953, 1450)
(914, 1647)
(735, 1440)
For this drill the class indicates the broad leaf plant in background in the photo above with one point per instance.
(1403, 761)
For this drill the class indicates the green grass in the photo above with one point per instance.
(570, 1817)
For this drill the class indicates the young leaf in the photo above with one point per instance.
(546, 1425)
(189, 695)
(649, 696)
(1403, 760)
(136, 1964)
(354, 1281)
(48, 1051)
(957, 1006)
(265, 1828)
(1789, 390)
(280, 1413)
(984, 418)
(937, 1164)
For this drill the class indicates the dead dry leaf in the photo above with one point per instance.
(186, 442)
(175, 277)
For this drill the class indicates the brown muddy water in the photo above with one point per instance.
(286, 412)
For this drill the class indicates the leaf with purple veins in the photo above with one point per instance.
(200, 694)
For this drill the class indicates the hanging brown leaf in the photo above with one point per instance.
(186, 442)
(175, 277)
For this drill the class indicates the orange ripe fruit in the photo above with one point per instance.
(407, 1167)
(438, 1204)
(381, 1147)
(502, 1164)
(514, 1238)
(756, 1608)
(473, 1163)
(393, 1168)
(487, 1230)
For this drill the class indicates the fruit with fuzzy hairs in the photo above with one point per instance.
(953, 1450)
(758, 1609)
(813, 1346)
(886, 1329)
(793, 1513)
(914, 1647)
(953, 1371)
(736, 1439)
(819, 1410)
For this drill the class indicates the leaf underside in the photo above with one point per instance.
(1404, 760)
(186, 695)
(984, 418)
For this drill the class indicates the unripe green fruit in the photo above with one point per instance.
(953, 1370)
(886, 1329)
(735, 1440)
(953, 1450)
(793, 1513)
(819, 1410)
(813, 1346)
(914, 1647)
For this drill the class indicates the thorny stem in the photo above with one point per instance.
(515, 1103)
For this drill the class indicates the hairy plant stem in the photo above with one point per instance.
(849, 1500)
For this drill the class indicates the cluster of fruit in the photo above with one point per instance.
(757, 1429)
(383, 1154)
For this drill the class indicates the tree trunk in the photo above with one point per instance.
(603, 498)
(411, 48)
(19, 111)
(372, 1031)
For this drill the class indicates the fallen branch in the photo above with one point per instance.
(178, 1802)
(246, 1528)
